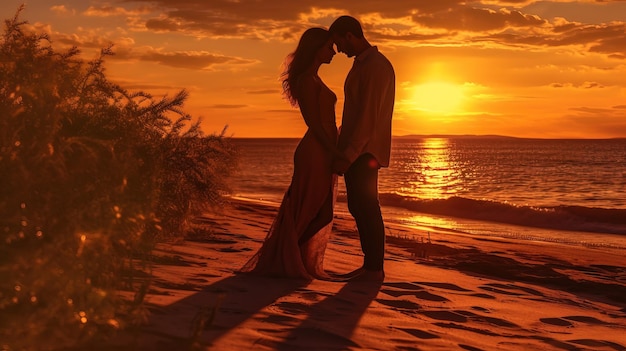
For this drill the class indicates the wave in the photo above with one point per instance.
(564, 217)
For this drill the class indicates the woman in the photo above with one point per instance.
(296, 241)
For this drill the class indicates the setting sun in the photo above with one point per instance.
(438, 97)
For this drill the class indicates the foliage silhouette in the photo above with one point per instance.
(92, 176)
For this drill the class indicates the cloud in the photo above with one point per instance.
(478, 19)
(614, 44)
(192, 59)
(607, 39)
(227, 106)
(207, 25)
(283, 111)
(146, 86)
(124, 48)
(90, 40)
(592, 110)
(584, 85)
(62, 10)
(394, 22)
(264, 92)
(276, 20)
(108, 11)
(262, 20)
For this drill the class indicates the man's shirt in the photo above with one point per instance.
(368, 107)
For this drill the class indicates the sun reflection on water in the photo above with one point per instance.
(425, 222)
(434, 173)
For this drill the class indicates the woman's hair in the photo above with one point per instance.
(300, 60)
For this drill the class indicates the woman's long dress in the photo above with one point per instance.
(313, 186)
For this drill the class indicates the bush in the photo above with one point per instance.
(91, 177)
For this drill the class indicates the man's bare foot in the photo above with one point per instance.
(369, 276)
(349, 275)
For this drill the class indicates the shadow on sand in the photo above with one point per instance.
(199, 321)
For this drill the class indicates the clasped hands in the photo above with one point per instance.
(340, 164)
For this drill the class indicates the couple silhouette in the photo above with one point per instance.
(296, 241)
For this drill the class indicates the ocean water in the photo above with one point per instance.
(571, 191)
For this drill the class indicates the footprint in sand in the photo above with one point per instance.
(500, 291)
(445, 286)
(417, 289)
(403, 305)
(420, 334)
(488, 320)
(460, 316)
(511, 290)
(587, 320)
(559, 322)
(566, 321)
(469, 348)
(598, 344)
(403, 285)
(449, 316)
(484, 296)
(403, 289)
(422, 295)
(425, 295)
(481, 309)
(481, 331)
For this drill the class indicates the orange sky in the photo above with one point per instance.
(549, 69)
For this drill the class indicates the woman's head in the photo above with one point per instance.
(315, 47)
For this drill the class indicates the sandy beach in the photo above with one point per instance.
(456, 292)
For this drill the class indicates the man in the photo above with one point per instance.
(365, 139)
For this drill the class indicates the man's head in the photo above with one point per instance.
(347, 34)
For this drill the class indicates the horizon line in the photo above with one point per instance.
(421, 136)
